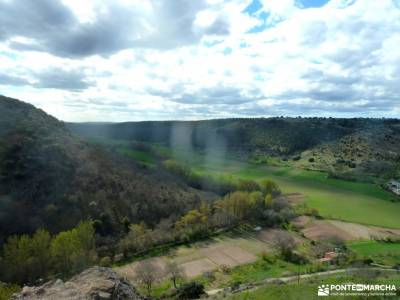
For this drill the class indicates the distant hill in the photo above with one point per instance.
(360, 145)
(50, 178)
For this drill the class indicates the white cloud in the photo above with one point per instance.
(201, 61)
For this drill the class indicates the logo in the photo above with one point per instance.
(352, 289)
(323, 290)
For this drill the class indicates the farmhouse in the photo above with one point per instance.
(394, 186)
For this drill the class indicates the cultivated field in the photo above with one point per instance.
(202, 257)
(240, 249)
(323, 229)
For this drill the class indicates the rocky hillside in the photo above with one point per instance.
(94, 283)
(51, 179)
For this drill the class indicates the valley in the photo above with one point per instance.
(213, 206)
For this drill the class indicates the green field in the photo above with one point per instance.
(358, 202)
(142, 156)
(308, 289)
(363, 203)
(383, 253)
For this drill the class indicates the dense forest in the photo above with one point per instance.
(51, 179)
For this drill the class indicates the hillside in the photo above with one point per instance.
(357, 146)
(51, 179)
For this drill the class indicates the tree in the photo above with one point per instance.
(147, 273)
(17, 258)
(63, 248)
(269, 187)
(74, 250)
(174, 271)
(40, 248)
(191, 290)
(285, 244)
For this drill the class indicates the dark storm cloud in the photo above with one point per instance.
(52, 27)
(56, 78)
(12, 80)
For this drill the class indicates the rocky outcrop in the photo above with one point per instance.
(95, 283)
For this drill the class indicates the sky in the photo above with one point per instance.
(131, 60)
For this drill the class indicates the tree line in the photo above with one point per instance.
(30, 259)
(260, 204)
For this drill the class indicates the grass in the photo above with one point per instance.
(261, 270)
(307, 289)
(141, 156)
(357, 202)
(380, 252)
(363, 203)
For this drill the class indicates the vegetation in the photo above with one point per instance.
(228, 212)
(147, 274)
(387, 253)
(357, 147)
(7, 290)
(26, 259)
(357, 202)
(148, 186)
(50, 179)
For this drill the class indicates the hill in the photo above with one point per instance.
(345, 147)
(49, 178)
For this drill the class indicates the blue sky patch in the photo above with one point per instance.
(254, 6)
(311, 3)
(227, 50)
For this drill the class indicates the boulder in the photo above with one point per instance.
(96, 283)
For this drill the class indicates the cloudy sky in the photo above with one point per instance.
(119, 60)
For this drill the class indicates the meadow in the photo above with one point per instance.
(357, 202)
(380, 252)
(307, 289)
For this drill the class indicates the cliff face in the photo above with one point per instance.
(94, 283)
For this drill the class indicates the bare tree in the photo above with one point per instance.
(174, 271)
(284, 243)
(147, 273)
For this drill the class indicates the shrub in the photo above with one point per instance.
(105, 261)
(191, 290)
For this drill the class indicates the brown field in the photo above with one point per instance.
(207, 256)
(198, 267)
(323, 229)
(268, 235)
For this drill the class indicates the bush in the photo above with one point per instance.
(191, 290)
(265, 256)
(105, 261)
(7, 290)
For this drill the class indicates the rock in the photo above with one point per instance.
(96, 283)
